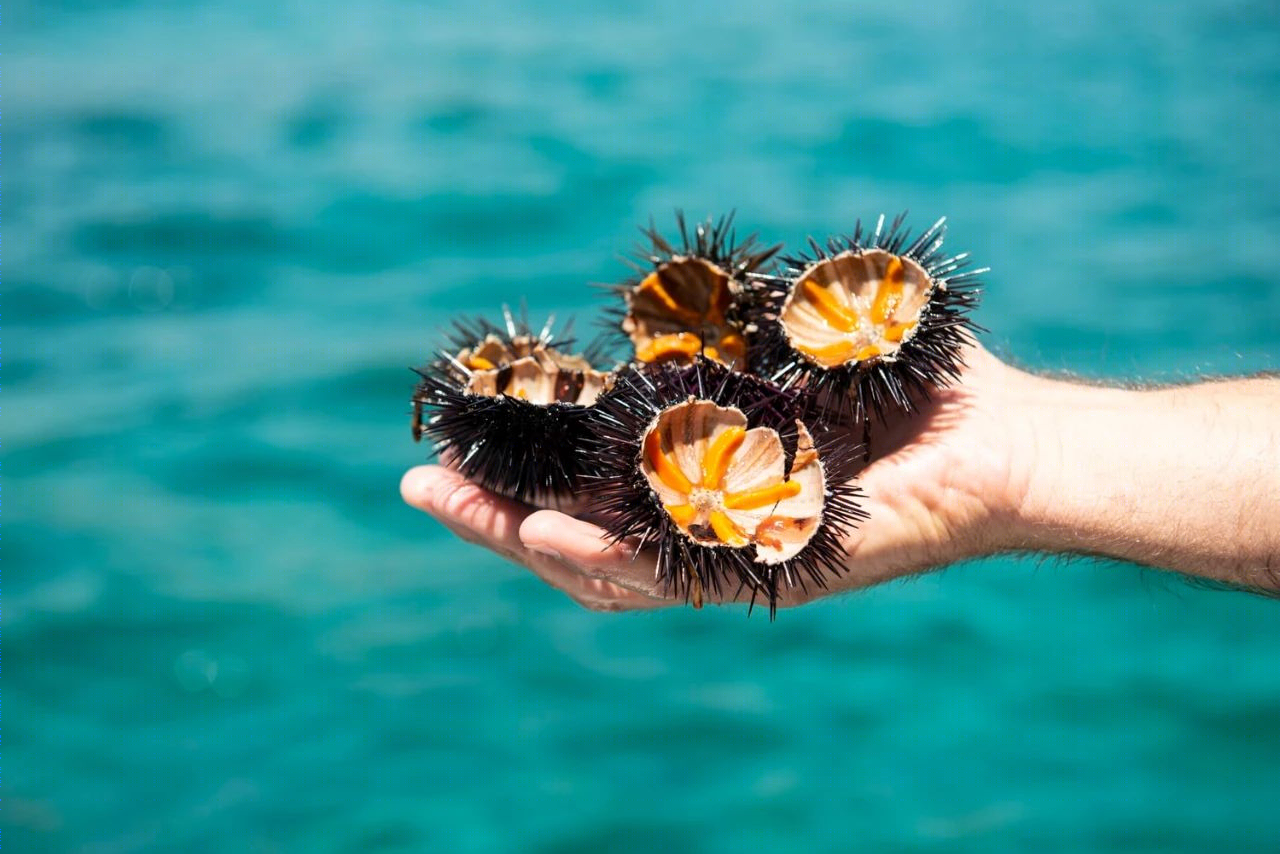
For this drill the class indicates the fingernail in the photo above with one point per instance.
(544, 550)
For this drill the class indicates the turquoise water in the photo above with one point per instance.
(228, 231)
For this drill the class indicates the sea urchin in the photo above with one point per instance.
(870, 322)
(713, 470)
(508, 408)
(686, 300)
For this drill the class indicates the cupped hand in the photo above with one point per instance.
(942, 485)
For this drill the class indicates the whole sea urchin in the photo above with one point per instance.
(686, 300)
(507, 407)
(713, 470)
(870, 322)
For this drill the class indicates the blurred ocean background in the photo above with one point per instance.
(230, 227)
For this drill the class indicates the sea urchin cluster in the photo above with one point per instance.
(722, 441)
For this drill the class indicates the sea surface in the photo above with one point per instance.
(229, 228)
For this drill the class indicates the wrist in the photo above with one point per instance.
(1098, 470)
(1062, 445)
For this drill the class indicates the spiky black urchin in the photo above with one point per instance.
(689, 296)
(659, 478)
(508, 407)
(870, 323)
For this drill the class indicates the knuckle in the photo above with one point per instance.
(462, 500)
(603, 606)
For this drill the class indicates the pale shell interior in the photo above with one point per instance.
(678, 311)
(524, 367)
(723, 484)
(855, 306)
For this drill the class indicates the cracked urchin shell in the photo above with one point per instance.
(870, 322)
(688, 296)
(716, 473)
(508, 407)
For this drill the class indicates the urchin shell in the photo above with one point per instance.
(725, 483)
(688, 297)
(690, 410)
(508, 407)
(869, 323)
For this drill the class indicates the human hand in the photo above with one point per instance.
(942, 485)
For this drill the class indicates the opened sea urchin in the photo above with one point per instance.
(870, 322)
(714, 472)
(686, 300)
(507, 408)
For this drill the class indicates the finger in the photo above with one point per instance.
(468, 509)
(586, 547)
(479, 516)
(594, 593)
(571, 503)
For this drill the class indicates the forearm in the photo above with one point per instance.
(1184, 478)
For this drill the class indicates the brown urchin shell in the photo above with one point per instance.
(524, 367)
(679, 311)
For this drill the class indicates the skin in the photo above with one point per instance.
(1184, 478)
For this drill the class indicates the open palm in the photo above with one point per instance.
(938, 489)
